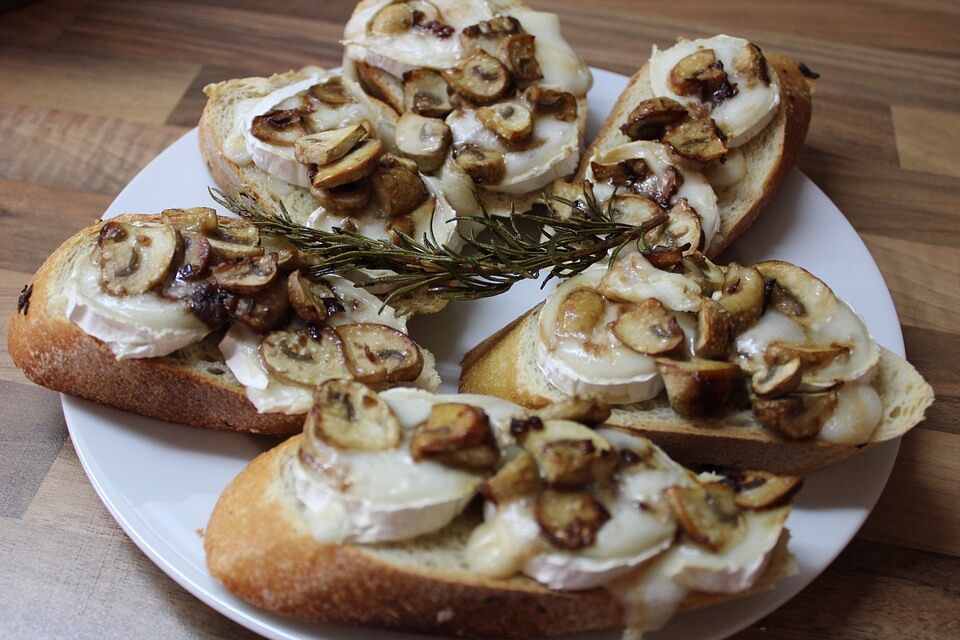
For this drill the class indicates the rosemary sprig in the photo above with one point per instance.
(520, 246)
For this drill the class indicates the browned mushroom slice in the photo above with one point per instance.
(379, 354)
(299, 358)
(796, 417)
(698, 388)
(401, 226)
(456, 435)
(239, 231)
(211, 304)
(570, 520)
(425, 93)
(518, 53)
(780, 298)
(707, 513)
(484, 166)
(348, 415)
(631, 208)
(195, 256)
(699, 74)
(359, 163)
(649, 328)
(424, 11)
(714, 330)
(331, 91)
(201, 220)
(762, 490)
(246, 275)
(568, 454)
(480, 78)
(697, 139)
(265, 310)
(579, 312)
(751, 65)
(281, 127)
(326, 146)
(812, 357)
(346, 198)
(515, 479)
(682, 229)
(498, 26)
(398, 186)
(777, 380)
(513, 123)
(742, 296)
(423, 140)
(381, 85)
(560, 104)
(583, 409)
(392, 19)
(650, 119)
(134, 258)
(309, 298)
(704, 272)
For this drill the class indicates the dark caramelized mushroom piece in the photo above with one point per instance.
(398, 186)
(358, 163)
(518, 53)
(483, 166)
(309, 298)
(698, 388)
(742, 296)
(699, 74)
(331, 91)
(560, 104)
(570, 520)
(381, 85)
(348, 415)
(649, 328)
(569, 455)
(714, 330)
(195, 256)
(756, 490)
(751, 65)
(425, 93)
(378, 354)
(697, 139)
(302, 359)
(481, 78)
(583, 409)
(134, 257)
(513, 123)
(707, 513)
(456, 435)
(346, 198)
(778, 380)
(795, 417)
(649, 119)
(516, 479)
(246, 275)
(579, 312)
(266, 309)
(281, 127)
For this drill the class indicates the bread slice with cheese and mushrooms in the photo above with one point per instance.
(713, 124)
(497, 77)
(308, 530)
(758, 367)
(198, 319)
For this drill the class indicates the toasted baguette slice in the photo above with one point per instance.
(259, 546)
(192, 386)
(504, 365)
(769, 155)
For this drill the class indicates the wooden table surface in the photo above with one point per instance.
(91, 91)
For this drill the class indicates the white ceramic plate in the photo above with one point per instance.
(160, 481)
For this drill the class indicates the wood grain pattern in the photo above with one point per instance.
(94, 89)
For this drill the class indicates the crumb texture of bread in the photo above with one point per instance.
(505, 365)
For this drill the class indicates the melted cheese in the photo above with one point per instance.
(740, 117)
(857, 415)
(137, 326)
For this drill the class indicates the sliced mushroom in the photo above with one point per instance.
(578, 313)
(401, 226)
(381, 85)
(282, 127)
(634, 209)
(238, 231)
(288, 257)
(309, 298)
(347, 198)
(762, 490)
(484, 166)
(704, 272)
(398, 186)
(698, 74)
(697, 139)
(649, 119)
(360, 162)
(299, 358)
(751, 65)
(778, 380)
(327, 146)
(211, 304)
(649, 328)
(518, 53)
(515, 479)
(379, 354)
(812, 357)
(707, 513)
(714, 331)
(498, 26)
(697, 387)
(456, 435)
(234, 239)
(621, 174)
(392, 19)
(423, 140)
(266, 309)
(560, 104)
(513, 123)
(480, 78)
(425, 93)
(134, 258)
(795, 417)
(331, 91)
(682, 229)
(568, 454)
(424, 11)
(348, 415)
(782, 300)
(742, 296)
(201, 220)
(246, 275)
(570, 520)
(582, 409)
(195, 256)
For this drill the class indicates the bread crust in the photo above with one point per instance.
(503, 366)
(775, 149)
(258, 545)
